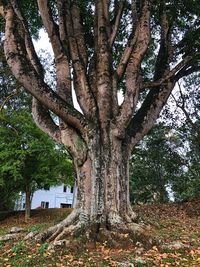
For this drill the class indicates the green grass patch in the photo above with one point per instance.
(3, 231)
(37, 227)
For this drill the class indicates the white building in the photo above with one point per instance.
(61, 196)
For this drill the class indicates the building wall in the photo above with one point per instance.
(56, 197)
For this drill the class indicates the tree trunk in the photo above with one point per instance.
(103, 184)
(102, 205)
(27, 204)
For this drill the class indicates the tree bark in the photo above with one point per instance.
(27, 204)
(102, 181)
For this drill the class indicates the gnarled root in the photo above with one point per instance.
(52, 232)
(79, 229)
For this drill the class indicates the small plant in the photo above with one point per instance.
(3, 231)
(43, 248)
(81, 230)
(37, 227)
(19, 247)
(139, 262)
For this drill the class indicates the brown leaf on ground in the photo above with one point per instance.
(177, 226)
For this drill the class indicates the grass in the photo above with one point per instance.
(169, 222)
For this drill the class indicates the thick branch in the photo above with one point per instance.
(146, 116)
(75, 144)
(40, 113)
(134, 13)
(28, 40)
(136, 40)
(125, 57)
(79, 33)
(115, 28)
(133, 68)
(44, 121)
(165, 51)
(103, 64)
(81, 85)
(63, 134)
(50, 26)
(63, 71)
(172, 74)
(105, 4)
(23, 70)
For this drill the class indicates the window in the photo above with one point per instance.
(64, 188)
(47, 187)
(64, 205)
(72, 189)
(44, 205)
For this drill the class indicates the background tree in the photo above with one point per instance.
(184, 118)
(172, 146)
(154, 165)
(29, 159)
(100, 47)
(8, 196)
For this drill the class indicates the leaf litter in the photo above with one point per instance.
(175, 225)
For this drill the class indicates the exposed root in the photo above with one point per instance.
(70, 230)
(77, 230)
(52, 232)
(8, 237)
(132, 215)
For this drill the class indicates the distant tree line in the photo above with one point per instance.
(165, 166)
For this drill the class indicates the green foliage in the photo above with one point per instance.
(7, 196)
(12, 95)
(28, 157)
(43, 248)
(153, 164)
(19, 247)
(30, 10)
(166, 161)
(186, 121)
(171, 150)
(186, 186)
(37, 227)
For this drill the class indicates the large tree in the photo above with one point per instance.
(143, 47)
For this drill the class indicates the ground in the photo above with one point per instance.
(177, 227)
